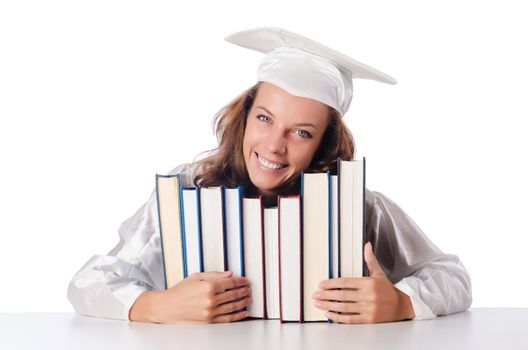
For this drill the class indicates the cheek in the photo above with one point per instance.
(251, 137)
(246, 142)
(303, 156)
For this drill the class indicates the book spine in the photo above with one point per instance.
(182, 225)
(264, 308)
(224, 238)
(365, 268)
(199, 223)
(159, 224)
(338, 217)
(328, 181)
(241, 230)
(301, 255)
(161, 233)
(279, 247)
(301, 315)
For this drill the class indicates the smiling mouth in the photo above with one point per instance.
(269, 165)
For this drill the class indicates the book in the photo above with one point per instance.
(254, 254)
(284, 252)
(352, 217)
(334, 226)
(233, 218)
(191, 231)
(290, 273)
(213, 230)
(271, 261)
(315, 191)
(168, 200)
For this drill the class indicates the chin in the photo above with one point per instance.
(266, 189)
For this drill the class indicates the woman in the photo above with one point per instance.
(288, 122)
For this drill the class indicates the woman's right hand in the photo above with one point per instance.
(206, 297)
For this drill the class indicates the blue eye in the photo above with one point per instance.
(304, 134)
(263, 118)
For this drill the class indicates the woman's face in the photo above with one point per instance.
(282, 134)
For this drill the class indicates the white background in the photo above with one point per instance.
(96, 97)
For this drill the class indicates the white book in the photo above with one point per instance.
(352, 224)
(233, 217)
(212, 220)
(271, 261)
(254, 257)
(290, 258)
(316, 239)
(191, 230)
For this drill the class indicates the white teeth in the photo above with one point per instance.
(269, 165)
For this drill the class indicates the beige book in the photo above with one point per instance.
(316, 237)
(168, 196)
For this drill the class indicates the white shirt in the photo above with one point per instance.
(437, 283)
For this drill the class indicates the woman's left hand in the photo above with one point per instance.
(370, 299)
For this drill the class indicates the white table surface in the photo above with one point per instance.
(494, 328)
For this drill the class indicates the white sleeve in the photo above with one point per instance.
(437, 283)
(108, 285)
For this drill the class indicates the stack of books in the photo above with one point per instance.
(284, 251)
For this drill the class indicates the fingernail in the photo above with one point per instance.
(316, 295)
(318, 303)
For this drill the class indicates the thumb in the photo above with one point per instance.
(372, 263)
(212, 275)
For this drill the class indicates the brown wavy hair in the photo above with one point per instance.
(225, 165)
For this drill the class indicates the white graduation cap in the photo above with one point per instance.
(304, 67)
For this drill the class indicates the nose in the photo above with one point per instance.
(277, 142)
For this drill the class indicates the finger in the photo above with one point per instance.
(345, 282)
(232, 306)
(340, 307)
(346, 318)
(236, 316)
(232, 294)
(213, 275)
(230, 283)
(372, 263)
(339, 295)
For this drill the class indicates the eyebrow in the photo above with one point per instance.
(300, 124)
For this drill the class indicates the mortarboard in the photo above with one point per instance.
(304, 67)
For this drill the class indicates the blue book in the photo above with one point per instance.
(191, 230)
(234, 229)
